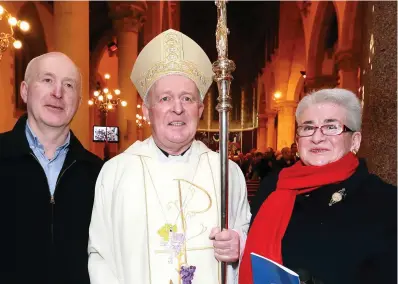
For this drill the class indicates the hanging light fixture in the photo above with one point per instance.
(7, 37)
(105, 99)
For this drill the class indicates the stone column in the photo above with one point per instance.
(262, 133)
(127, 28)
(286, 123)
(348, 70)
(71, 36)
(152, 27)
(175, 14)
(270, 138)
(379, 128)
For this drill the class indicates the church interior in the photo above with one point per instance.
(282, 50)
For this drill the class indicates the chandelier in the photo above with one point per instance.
(105, 99)
(141, 120)
(7, 38)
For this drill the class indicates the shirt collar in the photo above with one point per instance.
(34, 142)
(167, 154)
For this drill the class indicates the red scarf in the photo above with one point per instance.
(269, 226)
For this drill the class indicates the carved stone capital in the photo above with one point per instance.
(286, 104)
(346, 60)
(128, 16)
(320, 82)
(270, 113)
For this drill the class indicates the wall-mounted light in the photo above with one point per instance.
(277, 95)
(304, 74)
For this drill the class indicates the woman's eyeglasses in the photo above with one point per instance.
(331, 129)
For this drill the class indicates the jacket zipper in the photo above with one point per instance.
(52, 199)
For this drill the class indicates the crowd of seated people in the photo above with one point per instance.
(256, 165)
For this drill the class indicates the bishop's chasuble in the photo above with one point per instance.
(153, 215)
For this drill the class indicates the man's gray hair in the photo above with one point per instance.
(341, 97)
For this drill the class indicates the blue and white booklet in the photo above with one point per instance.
(266, 271)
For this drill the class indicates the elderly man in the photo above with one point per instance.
(157, 207)
(48, 180)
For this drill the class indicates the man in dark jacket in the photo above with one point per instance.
(48, 180)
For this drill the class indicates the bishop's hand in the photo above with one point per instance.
(226, 244)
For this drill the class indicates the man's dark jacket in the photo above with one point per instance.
(44, 241)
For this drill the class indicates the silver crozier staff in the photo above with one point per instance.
(222, 69)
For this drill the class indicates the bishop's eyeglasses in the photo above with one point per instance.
(330, 129)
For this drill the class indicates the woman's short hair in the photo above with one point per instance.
(344, 98)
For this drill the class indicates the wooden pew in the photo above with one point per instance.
(252, 187)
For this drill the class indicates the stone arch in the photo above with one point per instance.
(270, 89)
(351, 35)
(290, 59)
(298, 56)
(299, 92)
(325, 18)
(45, 12)
(348, 25)
(34, 44)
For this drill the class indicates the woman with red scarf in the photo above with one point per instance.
(326, 217)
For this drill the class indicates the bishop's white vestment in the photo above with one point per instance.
(153, 214)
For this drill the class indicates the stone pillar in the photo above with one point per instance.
(270, 138)
(286, 123)
(127, 39)
(175, 14)
(242, 108)
(71, 36)
(379, 128)
(153, 27)
(262, 133)
(348, 70)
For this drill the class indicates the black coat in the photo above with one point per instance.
(44, 242)
(353, 241)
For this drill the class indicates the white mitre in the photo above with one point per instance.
(172, 52)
